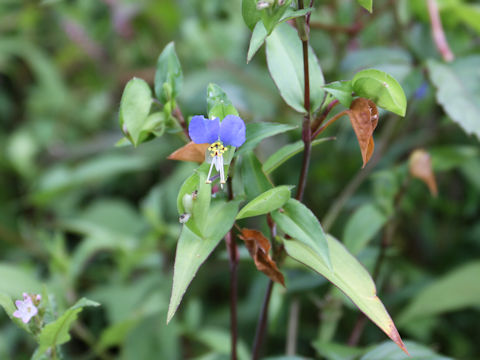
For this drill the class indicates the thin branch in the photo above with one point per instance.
(438, 33)
(262, 323)
(177, 113)
(233, 255)
(330, 122)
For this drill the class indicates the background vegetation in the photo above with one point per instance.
(80, 217)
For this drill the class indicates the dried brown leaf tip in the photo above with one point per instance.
(190, 152)
(258, 246)
(420, 166)
(363, 115)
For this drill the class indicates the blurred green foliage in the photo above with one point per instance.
(85, 218)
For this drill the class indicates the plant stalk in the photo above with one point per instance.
(233, 255)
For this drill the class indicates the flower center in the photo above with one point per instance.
(217, 149)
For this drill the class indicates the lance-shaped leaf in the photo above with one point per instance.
(169, 76)
(367, 4)
(285, 63)
(382, 89)
(258, 131)
(420, 167)
(296, 220)
(134, 109)
(57, 332)
(259, 35)
(286, 152)
(250, 13)
(190, 152)
(218, 103)
(350, 277)
(258, 246)
(264, 203)
(193, 249)
(364, 118)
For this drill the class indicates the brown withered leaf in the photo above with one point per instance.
(190, 152)
(258, 246)
(363, 115)
(420, 166)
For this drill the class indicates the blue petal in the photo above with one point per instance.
(232, 131)
(203, 130)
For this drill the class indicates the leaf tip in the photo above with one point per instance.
(395, 336)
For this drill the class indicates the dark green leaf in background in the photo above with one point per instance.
(255, 182)
(256, 132)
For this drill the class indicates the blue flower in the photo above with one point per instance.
(229, 132)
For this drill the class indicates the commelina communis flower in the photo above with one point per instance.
(229, 132)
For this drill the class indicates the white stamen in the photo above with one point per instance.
(210, 171)
(222, 173)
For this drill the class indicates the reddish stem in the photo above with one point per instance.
(438, 33)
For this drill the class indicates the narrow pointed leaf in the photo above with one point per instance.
(342, 91)
(193, 249)
(169, 71)
(350, 277)
(367, 4)
(267, 202)
(298, 221)
(285, 63)
(259, 35)
(256, 132)
(382, 89)
(287, 152)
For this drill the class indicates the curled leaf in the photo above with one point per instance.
(363, 115)
(258, 246)
(190, 152)
(420, 166)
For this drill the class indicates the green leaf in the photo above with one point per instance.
(367, 4)
(362, 227)
(300, 223)
(285, 63)
(382, 89)
(457, 290)
(285, 153)
(189, 186)
(218, 103)
(334, 351)
(388, 351)
(264, 203)
(342, 91)
(350, 277)
(291, 13)
(134, 109)
(256, 132)
(193, 250)
(169, 71)
(259, 35)
(219, 341)
(250, 13)
(254, 180)
(458, 91)
(7, 304)
(57, 332)
(201, 203)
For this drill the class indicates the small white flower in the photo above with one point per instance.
(26, 309)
